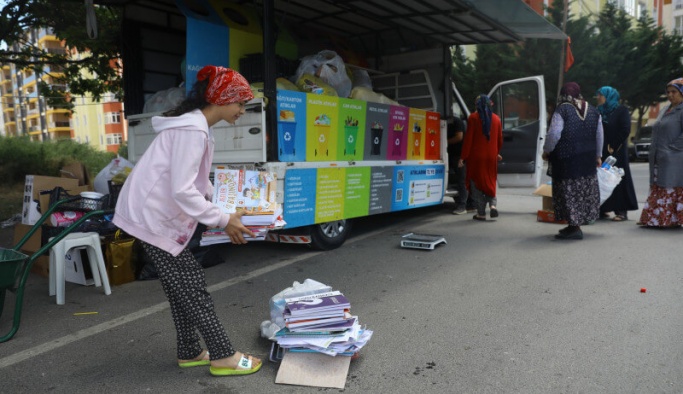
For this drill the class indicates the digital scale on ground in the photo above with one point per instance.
(421, 241)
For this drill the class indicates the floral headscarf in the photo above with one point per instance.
(226, 86)
(483, 104)
(611, 100)
(571, 94)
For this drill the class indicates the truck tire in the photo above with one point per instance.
(330, 235)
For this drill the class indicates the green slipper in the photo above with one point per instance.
(243, 363)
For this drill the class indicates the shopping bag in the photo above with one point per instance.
(607, 180)
(121, 258)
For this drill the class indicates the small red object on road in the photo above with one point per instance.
(643, 290)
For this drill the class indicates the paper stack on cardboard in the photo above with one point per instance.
(321, 323)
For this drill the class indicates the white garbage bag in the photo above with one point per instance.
(114, 167)
(608, 180)
(277, 304)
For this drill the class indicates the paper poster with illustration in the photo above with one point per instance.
(253, 191)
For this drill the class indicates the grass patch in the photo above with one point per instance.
(11, 199)
(19, 156)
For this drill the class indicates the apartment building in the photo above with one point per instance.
(26, 113)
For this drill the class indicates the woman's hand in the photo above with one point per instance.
(609, 149)
(545, 156)
(461, 163)
(599, 161)
(499, 157)
(236, 230)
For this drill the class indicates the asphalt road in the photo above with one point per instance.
(502, 308)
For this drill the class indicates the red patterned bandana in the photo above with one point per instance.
(226, 86)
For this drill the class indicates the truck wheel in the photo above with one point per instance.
(330, 235)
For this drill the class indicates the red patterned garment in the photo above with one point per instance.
(663, 208)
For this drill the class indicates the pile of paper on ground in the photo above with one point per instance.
(321, 323)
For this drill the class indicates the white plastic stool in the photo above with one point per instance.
(88, 241)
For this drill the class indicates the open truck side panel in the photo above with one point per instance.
(338, 158)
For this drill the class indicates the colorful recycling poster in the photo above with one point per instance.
(329, 203)
(416, 134)
(318, 195)
(376, 131)
(417, 186)
(433, 136)
(398, 130)
(357, 201)
(351, 129)
(291, 125)
(322, 119)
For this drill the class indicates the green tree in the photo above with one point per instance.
(637, 58)
(86, 56)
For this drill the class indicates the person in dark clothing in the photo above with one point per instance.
(616, 124)
(455, 134)
(573, 147)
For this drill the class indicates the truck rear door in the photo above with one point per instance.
(521, 105)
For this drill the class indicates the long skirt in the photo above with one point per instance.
(576, 200)
(663, 207)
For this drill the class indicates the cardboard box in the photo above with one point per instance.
(545, 191)
(34, 185)
(32, 244)
(547, 213)
(76, 170)
(41, 265)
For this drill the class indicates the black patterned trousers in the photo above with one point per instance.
(192, 308)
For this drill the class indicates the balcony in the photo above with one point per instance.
(54, 125)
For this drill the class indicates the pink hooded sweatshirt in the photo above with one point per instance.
(169, 191)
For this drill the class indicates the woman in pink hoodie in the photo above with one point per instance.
(164, 198)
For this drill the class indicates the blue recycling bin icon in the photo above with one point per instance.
(286, 137)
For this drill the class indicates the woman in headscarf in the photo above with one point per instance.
(165, 197)
(664, 205)
(481, 152)
(616, 123)
(573, 148)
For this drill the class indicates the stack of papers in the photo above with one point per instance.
(252, 192)
(321, 323)
(218, 235)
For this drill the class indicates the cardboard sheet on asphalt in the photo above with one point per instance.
(313, 369)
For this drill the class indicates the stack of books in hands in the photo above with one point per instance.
(249, 191)
(321, 323)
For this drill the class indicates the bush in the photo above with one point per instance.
(20, 156)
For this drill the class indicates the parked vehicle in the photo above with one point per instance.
(347, 166)
(641, 143)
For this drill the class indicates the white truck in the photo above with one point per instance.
(337, 158)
